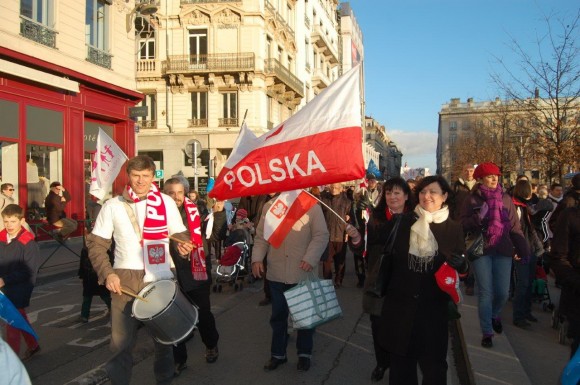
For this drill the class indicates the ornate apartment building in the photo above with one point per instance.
(388, 155)
(66, 68)
(519, 136)
(205, 66)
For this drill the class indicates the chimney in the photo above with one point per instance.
(536, 93)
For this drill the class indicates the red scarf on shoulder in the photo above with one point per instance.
(197, 256)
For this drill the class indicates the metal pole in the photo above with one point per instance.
(195, 184)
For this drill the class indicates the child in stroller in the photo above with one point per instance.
(234, 263)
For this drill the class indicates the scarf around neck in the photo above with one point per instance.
(494, 200)
(154, 237)
(422, 243)
(197, 256)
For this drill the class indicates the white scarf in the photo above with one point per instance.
(422, 243)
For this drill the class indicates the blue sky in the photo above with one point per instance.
(421, 53)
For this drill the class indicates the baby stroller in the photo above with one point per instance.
(232, 267)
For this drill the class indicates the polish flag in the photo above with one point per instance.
(106, 164)
(320, 144)
(288, 208)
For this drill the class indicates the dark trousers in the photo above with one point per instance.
(359, 267)
(522, 302)
(279, 324)
(381, 355)
(336, 257)
(88, 300)
(206, 324)
(403, 370)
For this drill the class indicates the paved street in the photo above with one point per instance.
(73, 353)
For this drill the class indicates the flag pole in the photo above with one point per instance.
(243, 120)
(325, 205)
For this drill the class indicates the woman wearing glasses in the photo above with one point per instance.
(7, 190)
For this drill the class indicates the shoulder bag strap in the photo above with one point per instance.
(133, 219)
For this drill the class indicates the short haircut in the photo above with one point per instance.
(177, 180)
(400, 183)
(5, 186)
(523, 189)
(140, 163)
(442, 182)
(55, 184)
(13, 210)
(554, 185)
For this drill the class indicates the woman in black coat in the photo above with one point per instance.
(413, 324)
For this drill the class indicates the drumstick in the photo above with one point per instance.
(133, 295)
(181, 241)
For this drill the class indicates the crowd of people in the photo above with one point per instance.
(403, 235)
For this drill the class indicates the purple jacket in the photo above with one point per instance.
(512, 237)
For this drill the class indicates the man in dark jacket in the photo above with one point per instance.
(55, 203)
(565, 261)
(197, 290)
(337, 200)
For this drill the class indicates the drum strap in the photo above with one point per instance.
(133, 220)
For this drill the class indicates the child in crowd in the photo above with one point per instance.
(18, 268)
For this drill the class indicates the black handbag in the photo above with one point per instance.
(379, 288)
(475, 246)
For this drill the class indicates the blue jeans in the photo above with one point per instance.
(522, 301)
(279, 324)
(492, 275)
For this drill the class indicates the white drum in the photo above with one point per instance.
(167, 313)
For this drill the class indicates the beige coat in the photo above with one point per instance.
(305, 242)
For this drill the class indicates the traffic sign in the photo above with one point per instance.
(158, 174)
(189, 148)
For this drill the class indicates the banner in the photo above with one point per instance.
(320, 144)
(106, 164)
(288, 208)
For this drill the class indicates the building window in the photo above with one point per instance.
(149, 121)
(280, 50)
(268, 47)
(198, 46)
(198, 109)
(145, 35)
(453, 126)
(97, 33)
(37, 21)
(452, 138)
(229, 109)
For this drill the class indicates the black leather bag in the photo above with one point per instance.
(379, 288)
(475, 246)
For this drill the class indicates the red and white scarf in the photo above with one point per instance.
(197, 256)
(155, 243)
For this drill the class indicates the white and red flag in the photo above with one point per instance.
(106, 164)
(288, 208)
(320, 144)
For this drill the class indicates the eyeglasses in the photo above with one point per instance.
(10, 189)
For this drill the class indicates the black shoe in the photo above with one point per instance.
(303, 364)
(531, 318)
(273, 363)
(179, 368)
(496, 325)
(378, 374)
(487, 342)
(211, 355)
(522, 323)
(265, 302)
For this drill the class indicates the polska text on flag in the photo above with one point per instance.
(288, 208)
(105, 165)
(320, 144)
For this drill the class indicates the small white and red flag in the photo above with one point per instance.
(288, 208)
(106, 164)
(320, 144)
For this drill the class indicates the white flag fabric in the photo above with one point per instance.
(320, 144)
(106, 164)
(288, 208)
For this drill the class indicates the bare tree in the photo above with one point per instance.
(546, 88)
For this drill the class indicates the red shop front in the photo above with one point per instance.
(49, 119)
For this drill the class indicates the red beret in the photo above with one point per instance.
(485, 169)
(241, 213)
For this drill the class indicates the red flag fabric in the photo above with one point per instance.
(320, 144)
(288, 208)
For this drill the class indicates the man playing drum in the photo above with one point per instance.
(140, 220)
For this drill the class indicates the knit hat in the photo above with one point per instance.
(241, 213)
(485, 169)
(448, 280)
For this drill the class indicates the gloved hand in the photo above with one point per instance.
(483, 210)
(458, 262)
(353, 234)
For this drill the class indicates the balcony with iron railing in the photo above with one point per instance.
(279, 19)
(148, 67)
(319, 79)
(321, 40)
(147, 124)
(194, 123)
(219, 62)
(37, 32)
(273, 67)
(99, 57)
(228, 122)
